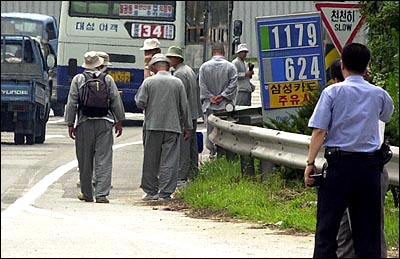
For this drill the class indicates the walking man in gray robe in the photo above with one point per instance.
(163, 98)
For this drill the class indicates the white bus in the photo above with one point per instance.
(119, 28)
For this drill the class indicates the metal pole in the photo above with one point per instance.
(230, 10)
(205, 29)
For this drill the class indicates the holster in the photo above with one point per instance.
(332, 155)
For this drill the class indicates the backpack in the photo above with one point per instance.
(94, 101)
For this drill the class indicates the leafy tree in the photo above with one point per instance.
(383, 24)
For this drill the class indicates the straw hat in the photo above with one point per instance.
(159, 58)
(106, 58)
(242, 47)
(175, 52)
(150, 44)
(92, 60)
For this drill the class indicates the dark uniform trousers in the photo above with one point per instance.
(353, 181)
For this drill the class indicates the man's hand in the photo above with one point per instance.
(186, 134)
(307, 171)
(219, 99)
(71, 131)
(147, 59)
(118, 128)
(250, 73)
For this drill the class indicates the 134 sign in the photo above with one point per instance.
(146, 30)
(291, 58)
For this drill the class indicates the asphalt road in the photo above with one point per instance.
(42, 217)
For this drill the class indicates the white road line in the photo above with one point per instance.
(38, 189)
(54, 136)
(55, 121)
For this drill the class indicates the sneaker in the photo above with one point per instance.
(149, 197)
(102, 199)
(84, 198)
(167, 198)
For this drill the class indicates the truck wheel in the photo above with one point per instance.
(29, 139)
(19, 139)
(41, 138)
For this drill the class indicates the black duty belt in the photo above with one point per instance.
(333, 150)
(347, 153)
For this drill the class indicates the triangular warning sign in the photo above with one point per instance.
(342, 21)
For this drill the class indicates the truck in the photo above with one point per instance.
(25, 89)
(43, 27)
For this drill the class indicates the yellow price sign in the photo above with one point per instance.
(120, 76)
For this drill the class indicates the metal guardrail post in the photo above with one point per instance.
(246, 162)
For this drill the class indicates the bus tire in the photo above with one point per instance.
(19, 138)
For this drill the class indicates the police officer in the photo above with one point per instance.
(345, 122)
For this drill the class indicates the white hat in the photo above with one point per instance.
(150, 44)
(242, 47)
(175, 51)
(159, 58)
(106, 58)
(92, 60)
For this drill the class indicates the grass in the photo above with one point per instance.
(221, 189)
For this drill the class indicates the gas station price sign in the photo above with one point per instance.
(291, 58)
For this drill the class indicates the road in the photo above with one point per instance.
(42, 217)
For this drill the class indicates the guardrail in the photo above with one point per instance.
(285, 148)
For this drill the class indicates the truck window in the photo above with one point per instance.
(51, 31)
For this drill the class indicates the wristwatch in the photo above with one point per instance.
(146, 67)
(310, 163)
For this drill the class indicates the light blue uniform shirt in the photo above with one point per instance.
(350, 112)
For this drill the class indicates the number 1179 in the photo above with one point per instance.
(290, 31)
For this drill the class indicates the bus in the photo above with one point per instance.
(119, 28)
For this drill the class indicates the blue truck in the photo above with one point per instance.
(43, 27)
(25, 89)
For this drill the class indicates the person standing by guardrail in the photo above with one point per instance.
(345, 122)
(189, 158)
(244, 86)
(217, 80)
(345, 241)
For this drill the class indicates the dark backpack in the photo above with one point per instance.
(94, 100)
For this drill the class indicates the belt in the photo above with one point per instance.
(347, 153)
(333, 150)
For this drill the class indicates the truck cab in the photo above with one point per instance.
(25, 90)
(45, 29)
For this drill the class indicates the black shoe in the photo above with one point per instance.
(102, 199)
(84, 198)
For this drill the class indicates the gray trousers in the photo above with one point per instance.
(243, 98)
(160, 162)
(344, 238)
(93, 142)
(189, 157)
